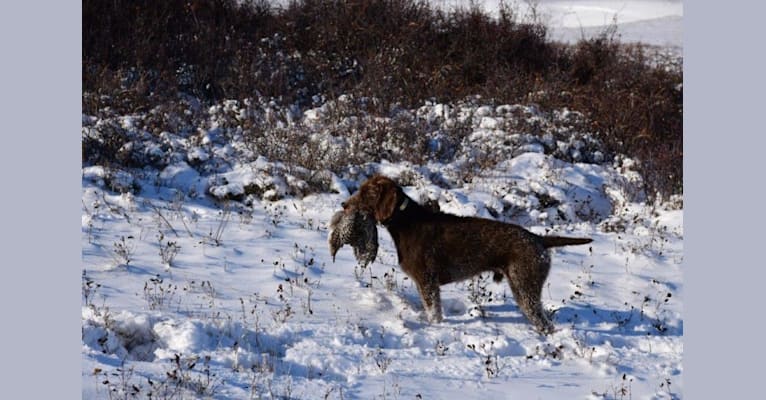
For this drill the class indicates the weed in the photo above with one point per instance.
(119, 383)
(168, 250)
(622, 320)
(90, 216)
(440, 348)
(285, 311)
(479, 294)
(183, 375)
(489, 360)
(548, 350)
(161, 218)
(583, 350)
(89, 289)
(245, 217)
(224, 217)
(123, 250)
(157, 295)
(624, 388)
(264, 366)
(381, 360)
(658, 317)
(275, 213)
(254, 312)
(665, 385)
(209, 293)
(389, 280)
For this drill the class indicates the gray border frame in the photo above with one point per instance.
(723, 153)
(41, 117)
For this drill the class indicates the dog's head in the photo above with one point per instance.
(379, 196)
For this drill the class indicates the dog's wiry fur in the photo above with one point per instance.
(435, 248)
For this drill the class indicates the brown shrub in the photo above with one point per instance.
(138, 54)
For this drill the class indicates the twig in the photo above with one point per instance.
(163, 218)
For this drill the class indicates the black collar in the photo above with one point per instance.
(402, 206)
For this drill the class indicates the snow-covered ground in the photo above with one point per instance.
(210, 276)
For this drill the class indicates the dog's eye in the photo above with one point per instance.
(343, 204)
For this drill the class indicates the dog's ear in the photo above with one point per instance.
(388, 194)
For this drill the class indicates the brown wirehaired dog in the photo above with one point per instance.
(435, 248)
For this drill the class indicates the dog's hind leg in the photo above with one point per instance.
(527, 287)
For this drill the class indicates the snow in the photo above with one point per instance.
(181, 176)
(655, 22)
(253, 306)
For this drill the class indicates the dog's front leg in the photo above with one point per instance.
(430, 294)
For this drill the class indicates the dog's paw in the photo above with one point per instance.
(546, 329)
(434, 317)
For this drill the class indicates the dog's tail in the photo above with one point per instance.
(556, 241)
